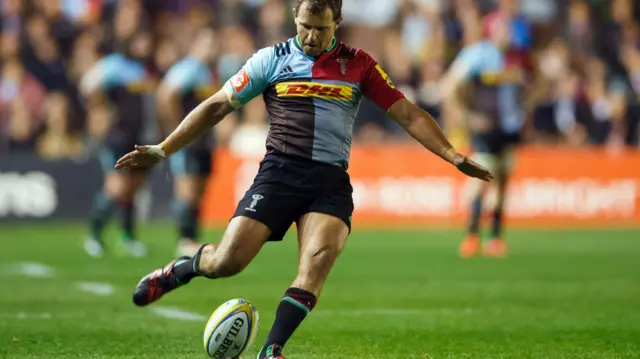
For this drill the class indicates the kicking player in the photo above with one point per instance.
(185, 85)
(120, 81)
(312, 86)
(495, 115)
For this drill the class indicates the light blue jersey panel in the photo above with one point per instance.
(266, 67)
(116, 70)
(188, 74)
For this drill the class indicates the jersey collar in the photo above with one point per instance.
(334, 42)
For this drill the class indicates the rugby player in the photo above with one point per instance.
(493, 105)
(120, 81)
(312, 86)
(186, 84)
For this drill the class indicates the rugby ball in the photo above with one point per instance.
(231, 329)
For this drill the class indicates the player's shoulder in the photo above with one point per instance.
(346, 51)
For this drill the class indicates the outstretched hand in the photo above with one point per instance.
(471, 168)
(142, 157)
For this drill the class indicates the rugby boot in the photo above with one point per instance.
(156, 284)
(496, 248)
(470, 246)
(273, 351)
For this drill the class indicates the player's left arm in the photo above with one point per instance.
(418, 123)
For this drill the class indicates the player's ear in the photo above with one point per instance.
(338, 22)
(295, 13)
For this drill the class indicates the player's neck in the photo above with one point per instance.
(334, 42)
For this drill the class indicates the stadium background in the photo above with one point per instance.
(562, 293)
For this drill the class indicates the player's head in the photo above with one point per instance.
(138, 46)
(204, 46)
(316, 23)
(497, 30)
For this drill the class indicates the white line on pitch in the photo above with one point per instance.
(24, 316)
(177, 313)
(32, 269)
(101, 289)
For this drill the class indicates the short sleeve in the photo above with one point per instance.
(103, 75)
(251, 80)
(377, 85)
(184, 75)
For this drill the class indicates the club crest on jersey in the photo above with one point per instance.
(314, 89)
(343, 65)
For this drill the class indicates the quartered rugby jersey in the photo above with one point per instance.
(312, 102)
(127, 84)
(497, 88)
(196, 82)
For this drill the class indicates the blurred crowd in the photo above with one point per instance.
(583, 59)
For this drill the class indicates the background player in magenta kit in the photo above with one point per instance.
(312, 86)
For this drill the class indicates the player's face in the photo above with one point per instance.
(315, 31)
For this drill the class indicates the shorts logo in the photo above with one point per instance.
(314, 89)
(240, 80)
(385, 76)
(256, 198)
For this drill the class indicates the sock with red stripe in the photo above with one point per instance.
(293, 308)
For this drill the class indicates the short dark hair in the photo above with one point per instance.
(319, 6)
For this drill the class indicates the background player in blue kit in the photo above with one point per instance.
(312, 86)
(121, 83)
(186, 84)
(493, 106)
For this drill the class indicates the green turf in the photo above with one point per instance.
(392, 294)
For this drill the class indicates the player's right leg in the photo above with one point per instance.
(240, 243)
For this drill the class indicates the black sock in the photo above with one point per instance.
(293, 308)
(102, 209)
(497, 223)
(476, 210)
(187, 219)
(186, 268)
(128, 219)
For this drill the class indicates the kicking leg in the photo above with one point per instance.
(321, 238)
(240, 243)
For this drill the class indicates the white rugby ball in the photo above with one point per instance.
(231, 329)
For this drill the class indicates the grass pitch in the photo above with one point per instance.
(392, 294)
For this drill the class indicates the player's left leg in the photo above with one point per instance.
(497, 247)
(133, 181)
(321, 238)
(191, 170)
(472, 244)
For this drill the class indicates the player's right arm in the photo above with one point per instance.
(248, 83)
